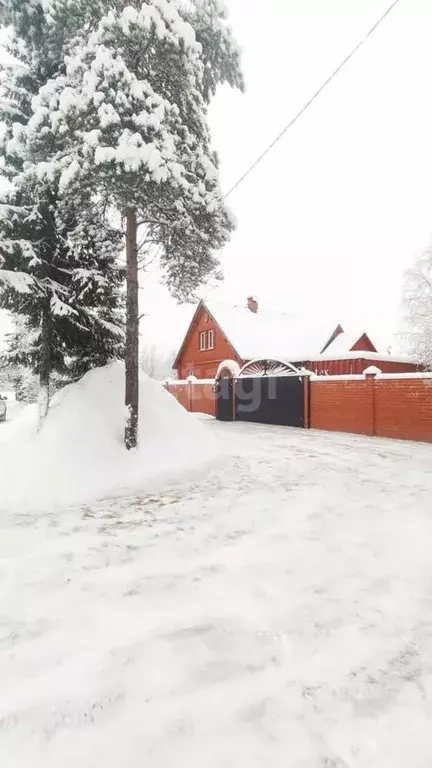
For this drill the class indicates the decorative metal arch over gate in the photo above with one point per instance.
(265, 391)
(269, 368)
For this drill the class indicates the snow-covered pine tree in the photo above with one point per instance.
(58, 253)
(133, 100)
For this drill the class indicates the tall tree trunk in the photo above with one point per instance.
(132, 331)
(45, 365)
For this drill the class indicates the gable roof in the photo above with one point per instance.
(346, 341)
(186, 336)
(266, 333)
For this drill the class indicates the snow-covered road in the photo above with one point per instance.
(277, 612)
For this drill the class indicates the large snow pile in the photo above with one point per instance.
(79, 455)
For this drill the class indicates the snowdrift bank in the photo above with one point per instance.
(79, 455)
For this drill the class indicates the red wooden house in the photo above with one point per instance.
(220, 332)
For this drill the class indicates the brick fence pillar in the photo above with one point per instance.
(306, 402)
(370, 375)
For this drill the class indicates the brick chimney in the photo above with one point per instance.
(252, 304)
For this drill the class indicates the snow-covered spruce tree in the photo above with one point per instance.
(133, 101)
(418, 308)
(59, 275)
(6, 378)
(21, 360)
(25, 384)
(58, 253)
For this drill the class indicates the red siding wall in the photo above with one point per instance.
(389, 367)
(204, 364)
(397, 408)
(356, 366)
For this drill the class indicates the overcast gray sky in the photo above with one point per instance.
(332, 218)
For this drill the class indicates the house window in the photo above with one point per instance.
(206, 340)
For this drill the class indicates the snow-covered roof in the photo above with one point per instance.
(268, 334)
(344, 342)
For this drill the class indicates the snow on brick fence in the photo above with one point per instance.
(387, 405)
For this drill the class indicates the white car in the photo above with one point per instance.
(3, 409)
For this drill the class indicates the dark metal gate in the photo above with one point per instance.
(224, 400)
(270, 400)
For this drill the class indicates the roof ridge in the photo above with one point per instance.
(268, 310)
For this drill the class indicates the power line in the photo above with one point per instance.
(312, 99)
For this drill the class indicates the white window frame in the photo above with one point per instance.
(210, 339)
(202, 341)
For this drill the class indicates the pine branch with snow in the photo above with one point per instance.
(134, 98)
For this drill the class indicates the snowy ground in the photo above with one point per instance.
(277, 612)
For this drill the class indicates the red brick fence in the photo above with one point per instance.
(389, 405)
(197, 396)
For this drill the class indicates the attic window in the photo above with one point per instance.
(206, 340)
